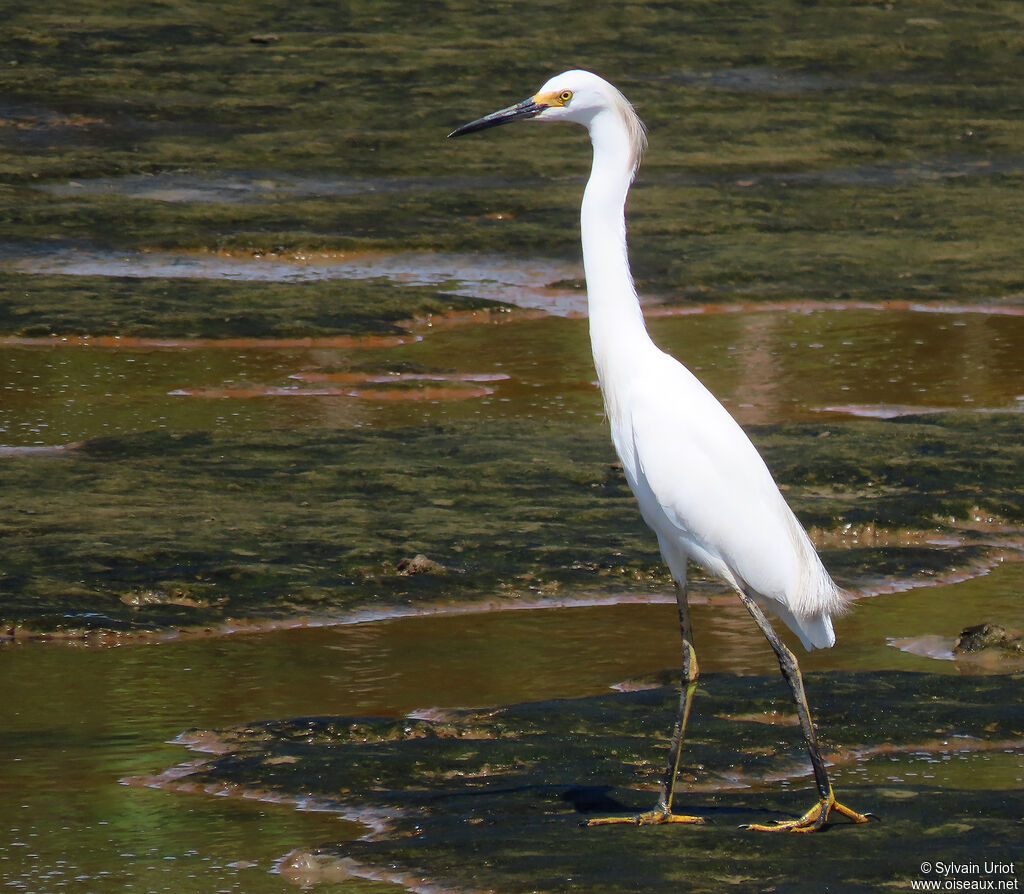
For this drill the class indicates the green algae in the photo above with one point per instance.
(354, 89)
(36, 305)
(905, 118)
(769, 240)
(492, 799)
(950, 468)
(162, 530)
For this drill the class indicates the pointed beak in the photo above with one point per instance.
(528, 108)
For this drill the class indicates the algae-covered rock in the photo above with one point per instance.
(988, 636)
(493, 799)
(420, 564)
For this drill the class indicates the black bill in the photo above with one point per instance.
(525, 109)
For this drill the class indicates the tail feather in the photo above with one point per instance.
(810, 604)
(815, 631)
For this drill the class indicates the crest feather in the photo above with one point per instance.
(634, 127)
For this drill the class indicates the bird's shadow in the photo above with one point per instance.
(592, 799)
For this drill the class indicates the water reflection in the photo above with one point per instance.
(785, 366)
(73, 721)
(767, 366)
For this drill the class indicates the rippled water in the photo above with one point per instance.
(68, 825)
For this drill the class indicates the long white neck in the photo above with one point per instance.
(616, 321)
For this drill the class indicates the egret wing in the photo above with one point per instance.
(699, 478)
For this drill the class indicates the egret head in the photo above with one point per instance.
(577, 96)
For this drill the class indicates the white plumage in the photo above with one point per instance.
(700, 482)
(706, 492)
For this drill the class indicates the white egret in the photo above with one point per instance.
(701, 484)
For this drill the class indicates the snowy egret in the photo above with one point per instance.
(701, 484)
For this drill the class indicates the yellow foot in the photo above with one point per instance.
(650, 818)
(815, 819)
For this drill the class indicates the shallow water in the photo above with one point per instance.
(68, 825)
(252, 223)
(495, 278)
(68, 822)
(766, 365)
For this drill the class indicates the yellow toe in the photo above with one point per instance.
(650, 818)
(815, 819)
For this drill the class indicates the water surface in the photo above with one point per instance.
(248, 227)
(69, 822)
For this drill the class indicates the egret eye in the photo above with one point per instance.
(565, 96)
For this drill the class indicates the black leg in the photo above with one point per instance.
(817, 816)
(687, 689)
(662, 812)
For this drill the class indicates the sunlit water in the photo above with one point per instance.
(67, 821)
(524, 284)
(69, 825)
(765, 365)
(74, 721)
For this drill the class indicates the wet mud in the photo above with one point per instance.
(493, 799)
(168, 309)
(468, 281)
(175, 531)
